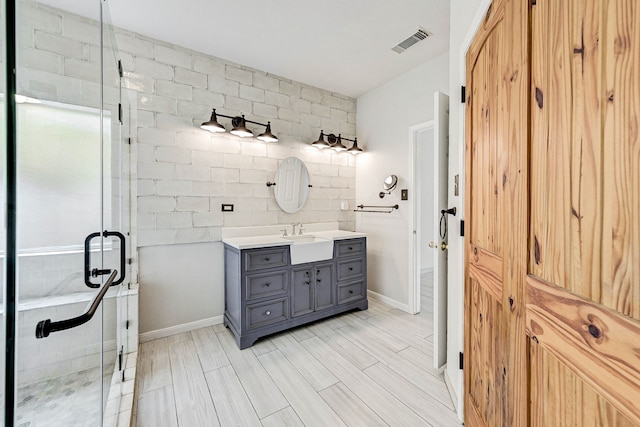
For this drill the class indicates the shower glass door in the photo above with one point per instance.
(72, 218)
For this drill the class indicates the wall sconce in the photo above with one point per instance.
(336, 143)
(239, 124)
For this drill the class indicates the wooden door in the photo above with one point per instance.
(552, 297)
(583, 288)
(496, 207)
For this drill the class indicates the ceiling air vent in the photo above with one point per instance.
(419, 35)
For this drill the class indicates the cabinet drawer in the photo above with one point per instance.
(266, 284)
(350, 269)
(266, 258)
(351, 292)
(345, 248)
(265, 313)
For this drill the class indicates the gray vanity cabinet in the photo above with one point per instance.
(312, 288)
(265, 294)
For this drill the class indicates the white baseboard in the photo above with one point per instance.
(393, 303)
(426, 270)
(178, 329)
(452, 394)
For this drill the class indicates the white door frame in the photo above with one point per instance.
(414, 217)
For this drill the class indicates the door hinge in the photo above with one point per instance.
(120, 73)
(120, 113)
(463, 94)
(129, 261)
(123, 375)
(129, 141)
(461, 361)
(462, 228)
(120, 359)
(126, 325)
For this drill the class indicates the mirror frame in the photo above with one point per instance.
(292, 180)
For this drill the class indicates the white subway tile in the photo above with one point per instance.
(268, 111)
(155, 170)
(150, 68)
(207, 158)
(58, 44)
(321, 111)
(156, 237)
(208, 65)
(40, 60)
(239, 75)
(146, 221)
(193, 172)
(137, 46)
(192, 235)
(174, 188)
(146, 187)
(253, 147)
(153, 204)
(276, 99)
(173, 56)
(156, 137)
(43, 20)
(225, 175)
(251, 93)
(173, 90)
(191, 78)
(237, 161)
(192, 204)
(156, 103)
(237, 104)
(173, 220)
(291, 89)
(263, 81)
(249, 176)
(208, 219)
(209, 189)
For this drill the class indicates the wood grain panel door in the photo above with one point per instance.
(583, 289)
(552, 297)
(496, 209)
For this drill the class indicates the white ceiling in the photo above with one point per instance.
(339, 45)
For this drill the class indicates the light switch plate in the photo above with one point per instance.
(404, 194)
(227, 207)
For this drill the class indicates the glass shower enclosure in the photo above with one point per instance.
(72, 247)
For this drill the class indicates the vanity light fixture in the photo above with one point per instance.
(335, 142)
(240, 129)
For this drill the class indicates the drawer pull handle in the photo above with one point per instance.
(350, 248)
(350, 268)
(318, 280)
(307, 282)
(267, 284)
(317, 271)
(267, 259)
(268, 313)
(350, 292)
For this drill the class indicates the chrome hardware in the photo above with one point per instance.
(268, 313)
(294, 225)
(284, 232)
(433, 245)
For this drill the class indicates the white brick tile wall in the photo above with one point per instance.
(184, 173)
(192, 204)
(173, 56)
(239, 75)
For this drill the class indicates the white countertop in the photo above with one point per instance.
(252, 242)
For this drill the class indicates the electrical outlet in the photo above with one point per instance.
(404, 194)
(227, 207)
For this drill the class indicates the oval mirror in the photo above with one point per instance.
(292, 184)
(390, 183)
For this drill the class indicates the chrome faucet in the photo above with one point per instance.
(284, 232)
(300, 229)
(294, 225)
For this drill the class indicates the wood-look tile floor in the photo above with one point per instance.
(364, 368)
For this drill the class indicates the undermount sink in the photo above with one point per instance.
(309, 249)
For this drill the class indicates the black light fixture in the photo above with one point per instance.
(321, 143)
(335, 142)
(354, 148)
(240, 129)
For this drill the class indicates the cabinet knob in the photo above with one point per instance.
(317, 271)
(318, 280)
(307, 282)
(267, 284)
(267, 259)
(350, 292)
(350, 268)
(268, 313)
(350, 248)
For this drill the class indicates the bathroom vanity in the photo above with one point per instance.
(275, 282)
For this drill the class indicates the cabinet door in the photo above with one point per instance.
(324, 289)
(301, 291)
